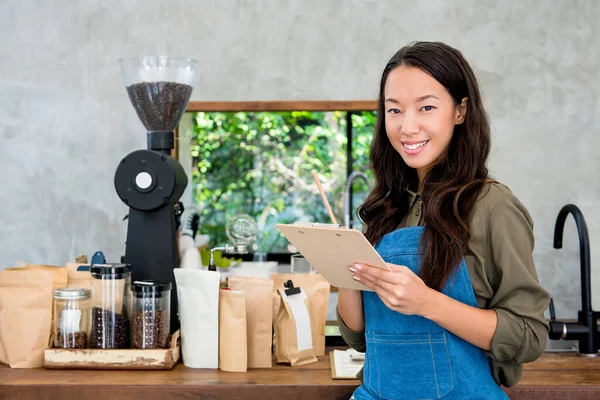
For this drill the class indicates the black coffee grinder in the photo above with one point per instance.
(151, 181)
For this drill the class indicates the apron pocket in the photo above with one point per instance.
(409, 366)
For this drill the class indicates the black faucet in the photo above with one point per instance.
(586, 329)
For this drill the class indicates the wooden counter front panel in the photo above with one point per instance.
(553, 376)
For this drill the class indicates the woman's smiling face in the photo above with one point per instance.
(420, 116)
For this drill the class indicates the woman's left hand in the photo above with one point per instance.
(400, 290)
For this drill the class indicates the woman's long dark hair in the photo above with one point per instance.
(451, 187)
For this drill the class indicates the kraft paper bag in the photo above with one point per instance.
(60, 276)
(78, 279)
(25, 316)
(233, 344)
(3, 356)
(259, 318)
(294, 343)
(317, 290)
(198, 296)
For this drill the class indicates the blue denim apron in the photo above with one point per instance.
(411, 357)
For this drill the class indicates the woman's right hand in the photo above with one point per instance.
(350, 308)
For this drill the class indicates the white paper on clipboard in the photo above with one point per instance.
(331, 251)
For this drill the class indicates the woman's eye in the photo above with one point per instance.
(394, 111)
(427, 108)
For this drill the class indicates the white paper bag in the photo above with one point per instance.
(198, 295)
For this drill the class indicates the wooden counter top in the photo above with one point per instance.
(553, 376)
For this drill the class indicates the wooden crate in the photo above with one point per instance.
(138, 359)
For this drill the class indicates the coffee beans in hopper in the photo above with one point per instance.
(159, 104)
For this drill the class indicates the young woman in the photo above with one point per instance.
(462, 308)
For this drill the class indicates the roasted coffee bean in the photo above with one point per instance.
(150, 329)
(77, 340)
(159, 104)
(109, 330)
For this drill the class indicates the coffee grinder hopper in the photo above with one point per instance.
(151, 181)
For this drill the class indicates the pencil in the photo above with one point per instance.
(318, 182)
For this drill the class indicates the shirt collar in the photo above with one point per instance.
(411, 195)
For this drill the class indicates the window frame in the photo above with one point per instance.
(348, 107)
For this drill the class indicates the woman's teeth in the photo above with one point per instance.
(415, 146)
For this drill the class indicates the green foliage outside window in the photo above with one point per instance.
(261, 163)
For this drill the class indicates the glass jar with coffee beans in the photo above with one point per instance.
(150, 315)
(71, 318)
(110, 306)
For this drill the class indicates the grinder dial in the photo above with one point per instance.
(145, 180)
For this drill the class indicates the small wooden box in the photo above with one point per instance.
(137, 359)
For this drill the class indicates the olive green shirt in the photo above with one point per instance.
(500, 263)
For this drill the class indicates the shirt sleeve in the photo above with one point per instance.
(354, 339)
(519, 300)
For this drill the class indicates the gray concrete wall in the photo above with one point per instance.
(65, 120)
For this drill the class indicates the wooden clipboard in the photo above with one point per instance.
(331, 250)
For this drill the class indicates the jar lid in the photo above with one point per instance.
(110, 269)
(72, 293)
(149, 287)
